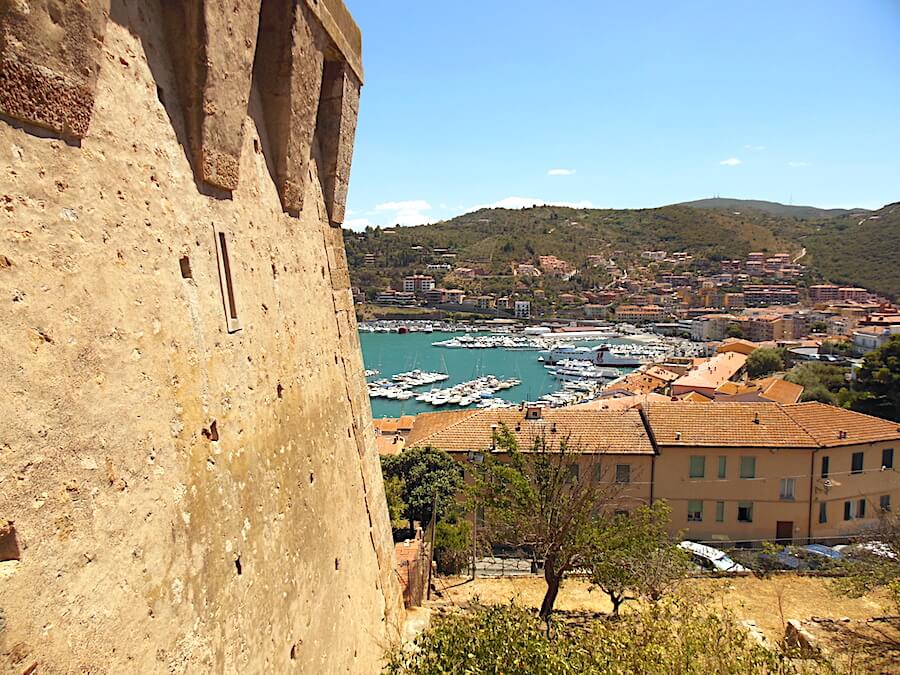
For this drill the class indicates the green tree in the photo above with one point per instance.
(425, 472)
(632, 556)
(542, 500)
(452, 545)
(820, 381)
(734, 330)
(879, 379)
(393, 490)
(764, 361)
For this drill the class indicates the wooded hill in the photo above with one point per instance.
(856, 247)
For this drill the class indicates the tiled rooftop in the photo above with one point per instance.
(831, 426)
(751, 425)
(714, 372)
(591, 431)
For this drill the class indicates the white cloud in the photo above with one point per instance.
(560, 172)
(731, 161)
(527, 202)
(797, 165)
(409, 212)
(750, 146)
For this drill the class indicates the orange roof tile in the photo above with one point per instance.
(737, 345)
(428, 423)
(591, 431)
(663, 374)
(623, 402)
(751, 425)
(386, 425)
(780, 391)
(714, 372)
(831, 426)
(695, 397)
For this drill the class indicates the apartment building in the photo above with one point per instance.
(418, 283)
(763, 295)
(732, 472)
(635, 314)
(613, 447)
(391, 297)
(826, 293)
(522, 309)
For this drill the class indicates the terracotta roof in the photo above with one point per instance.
(662, 373)
(737, 345)
(406, 422)
(619, 402)
(695, 397)
(592, 431)
(750, 425)
(714, 372)
(428, 423)
(389, 444)
(780, 391)
(637, 382)
(827, 424)
(386, 425)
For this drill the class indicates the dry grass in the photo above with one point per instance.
(747, 597)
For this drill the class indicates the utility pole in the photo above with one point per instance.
(431, 547)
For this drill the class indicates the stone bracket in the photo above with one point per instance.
(338, 110)
(49, 61)
(213, 44)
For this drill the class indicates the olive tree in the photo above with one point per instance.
(545, 498)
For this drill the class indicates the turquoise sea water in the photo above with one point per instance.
(393, 353)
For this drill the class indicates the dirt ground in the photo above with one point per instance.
(747, 597)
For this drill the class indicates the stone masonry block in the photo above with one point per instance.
(213, 43)
(49, 61)
(338, 110)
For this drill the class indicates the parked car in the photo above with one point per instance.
(711, 558)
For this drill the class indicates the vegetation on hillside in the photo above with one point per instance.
(839, 247)
(674, 637)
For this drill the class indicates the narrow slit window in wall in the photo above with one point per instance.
(225, 279)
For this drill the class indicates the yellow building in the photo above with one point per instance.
(732, 472)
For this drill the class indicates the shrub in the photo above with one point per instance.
(668, 638)
(452, 546)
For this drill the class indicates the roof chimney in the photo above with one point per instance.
(553, 428)
(756, 417)
(677, 435)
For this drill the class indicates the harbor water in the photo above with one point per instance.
(392, 353)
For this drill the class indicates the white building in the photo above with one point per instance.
(523, 309)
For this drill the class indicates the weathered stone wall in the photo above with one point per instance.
(192, 489)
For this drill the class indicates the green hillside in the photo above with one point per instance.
(772, 208)
(862, 250)
(839, 247)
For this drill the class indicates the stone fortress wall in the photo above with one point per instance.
(188, 475)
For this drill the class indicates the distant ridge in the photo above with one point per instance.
(772, 208)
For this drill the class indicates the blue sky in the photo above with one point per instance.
(617, 104)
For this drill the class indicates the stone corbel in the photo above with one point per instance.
(49, 62)
(338, 110)
(213, 44)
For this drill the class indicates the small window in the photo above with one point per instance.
(573, 473)
(848, 510)
(720, 512)
(745, 512)
(598, 472)
(887, 458)
(884, 502)
(826, 461)
(856, 464)
(861, 508)
(788, 486)
(695, 511)
(698, 466)
(723, 463)
(623, 473)
(227, 283)
(823, 512)
(748, 467)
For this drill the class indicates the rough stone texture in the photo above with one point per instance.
(795, 635)
(185, 499)
(289, 72)
(336, 129)
(49, 60)
(213, 43)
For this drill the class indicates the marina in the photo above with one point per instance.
(406, 363)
